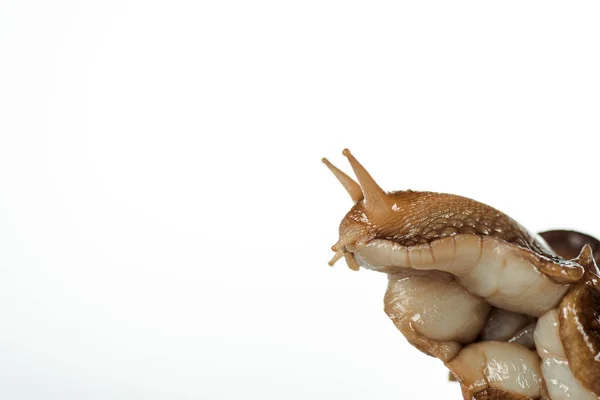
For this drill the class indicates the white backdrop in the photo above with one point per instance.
(165, 220)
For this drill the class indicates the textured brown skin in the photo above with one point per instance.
(568, 244)
(497, 394)
(422, 217)
(579, 318)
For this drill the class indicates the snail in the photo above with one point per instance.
(513, 315)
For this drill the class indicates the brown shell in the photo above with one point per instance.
(568, 244)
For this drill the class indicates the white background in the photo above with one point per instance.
(165, 220)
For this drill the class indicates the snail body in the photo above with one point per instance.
(467, 285)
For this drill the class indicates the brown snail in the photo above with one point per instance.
(513, 315)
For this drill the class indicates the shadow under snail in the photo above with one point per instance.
(512, 315)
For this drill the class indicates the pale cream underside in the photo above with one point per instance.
(444, 291)
(495, 270)
(500, 365)
(431, 304)
(560, 382)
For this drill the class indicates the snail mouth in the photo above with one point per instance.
(347, 246)
(348, 256)
(346, 252)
